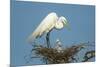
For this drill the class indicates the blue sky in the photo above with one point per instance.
(25, 17)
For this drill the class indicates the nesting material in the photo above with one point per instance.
(53, 56)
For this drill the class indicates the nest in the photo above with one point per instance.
(53, 56)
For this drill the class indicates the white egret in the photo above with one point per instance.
(58, 46)
(50, 22)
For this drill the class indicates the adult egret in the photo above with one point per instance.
(50, 22)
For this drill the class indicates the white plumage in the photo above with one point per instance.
(58, 46)
(50, 22)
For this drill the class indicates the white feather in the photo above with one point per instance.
(50, 22)
(45, 26)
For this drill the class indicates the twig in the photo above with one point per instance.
(89, 55)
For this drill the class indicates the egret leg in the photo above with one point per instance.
(48, 39)
(48, 43)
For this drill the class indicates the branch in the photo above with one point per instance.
(89, 55)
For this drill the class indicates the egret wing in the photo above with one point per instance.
(45, 26)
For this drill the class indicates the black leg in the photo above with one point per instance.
(48, 40)
(48, 43)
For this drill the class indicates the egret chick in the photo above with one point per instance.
(58, 46)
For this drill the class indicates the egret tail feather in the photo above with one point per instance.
(31, 38)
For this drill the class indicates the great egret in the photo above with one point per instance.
(50, 22)
(58, 46)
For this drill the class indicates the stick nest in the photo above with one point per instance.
(52, 56)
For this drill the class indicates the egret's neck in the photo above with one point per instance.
(59, 25)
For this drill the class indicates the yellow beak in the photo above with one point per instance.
(67, 25)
